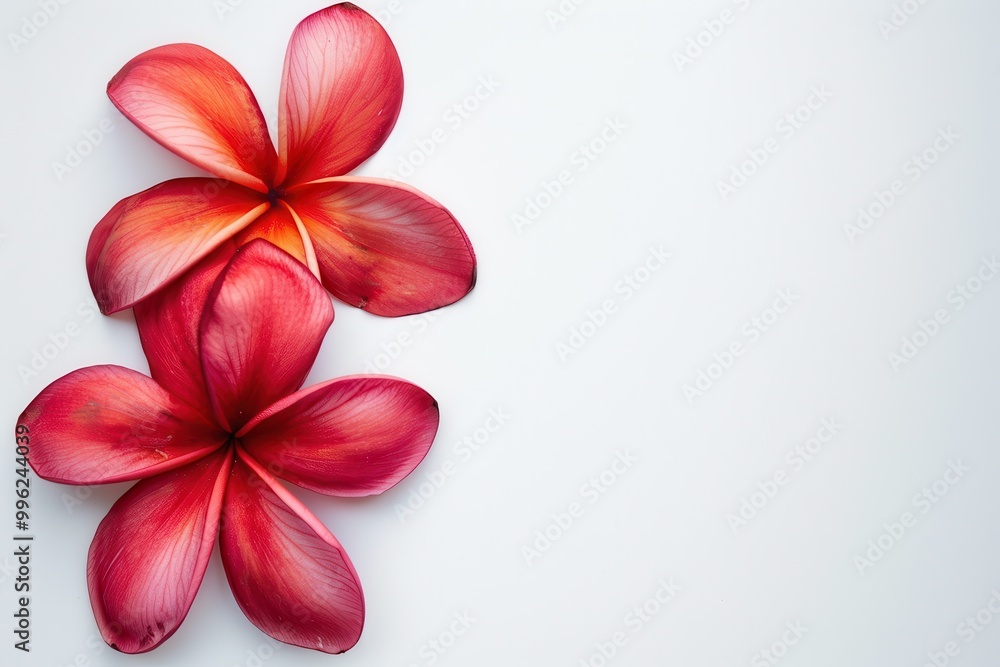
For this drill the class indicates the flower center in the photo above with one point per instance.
(275, 194)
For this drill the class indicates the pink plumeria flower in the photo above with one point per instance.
(207, 435)
(375, 244)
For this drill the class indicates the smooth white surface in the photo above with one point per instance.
(656, 185)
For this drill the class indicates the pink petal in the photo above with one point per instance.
(290, 576)
(168, 322)
(197, 105)
(340, 94)
(149, 239)
(354, 436)
(150, 552)
(385, 247)
(262, 328)
(107, 424)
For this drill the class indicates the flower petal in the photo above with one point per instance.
(277, 226)
(148, 239)
(385, 247)
(354, 436)
(341, 92)
(262, 328)
(289, 574)
(150, 553)
(168, 322)
(107, 424)
(197, 105)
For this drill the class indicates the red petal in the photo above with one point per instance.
(107, 424)
(150, 238)
(168, 328)
(197, 105)
(354, 436)
(150, 552)
(290, 576)
(262, 328)
(385, 247)
(340, 94)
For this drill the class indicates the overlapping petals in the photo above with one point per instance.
(227, 279)
(169, 327)
(380, 246)
(149, 239)
(281, 227)
(221, 416)
(261, 331)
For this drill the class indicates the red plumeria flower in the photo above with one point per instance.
(207, 435)
(375, 244)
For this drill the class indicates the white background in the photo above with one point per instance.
(667, 516)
